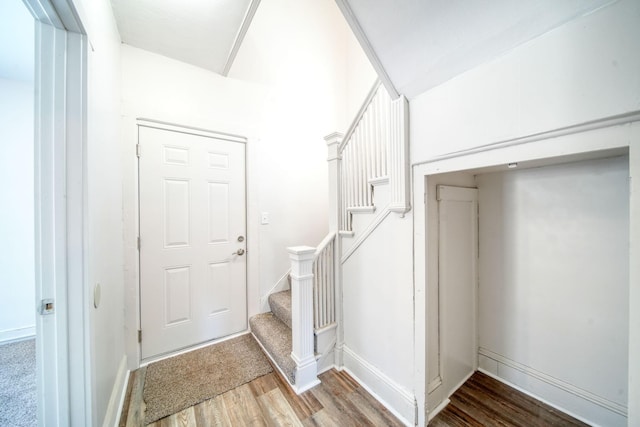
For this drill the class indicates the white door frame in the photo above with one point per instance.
(62, 347)
(137, 361)
(590, 140)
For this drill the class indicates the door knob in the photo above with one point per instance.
(238, 252)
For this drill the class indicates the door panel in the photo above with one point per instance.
(192, 211)
(457, 288)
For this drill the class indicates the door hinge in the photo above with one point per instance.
(138, 150)
(139, 335)
(138, 243)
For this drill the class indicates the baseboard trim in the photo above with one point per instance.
(558, 383)
(281, 285)
(438, 409)
(116, 401)
(18, 334)
(393, 396)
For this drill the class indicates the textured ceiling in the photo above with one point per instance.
(198, 32)
(422, 43)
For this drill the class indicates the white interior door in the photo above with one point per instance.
(457, 289)
(192, 239)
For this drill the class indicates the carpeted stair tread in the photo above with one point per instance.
(275, 337)
(280, 303)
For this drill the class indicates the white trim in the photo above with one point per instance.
(607, 122)
(363, 236)
(282, 284)
(392, 395)
(351, 19)
(64, 377)
(433, 385)
(361, 209)
(381, 180)
(157, 124)
(116, 401)
(556, 382)
(596, 139)
(242, 32)
(17, 334)
(273, 361)
(535, 396)
(438, 409)
(344, 139)
(634, 277)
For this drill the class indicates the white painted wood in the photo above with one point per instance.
(634, 276)
(394, 396)
(60, 79)
(306, 374)
(192, 211)
(457, 283)
(324, 283)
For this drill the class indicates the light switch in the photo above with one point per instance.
(264, 218)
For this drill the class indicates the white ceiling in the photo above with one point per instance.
(423, 43)
(198, 32)
(16, 41)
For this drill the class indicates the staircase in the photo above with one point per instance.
(273, 332)
(368, 180)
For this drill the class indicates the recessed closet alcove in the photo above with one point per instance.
(538, 297)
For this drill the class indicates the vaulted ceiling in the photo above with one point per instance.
(418, 44)
(413, 44)
(205, 33)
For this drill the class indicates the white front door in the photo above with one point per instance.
(192, 239)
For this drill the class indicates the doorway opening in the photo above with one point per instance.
(17, 287)
(552, 284)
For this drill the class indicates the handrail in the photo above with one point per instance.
(325, 242)
(361, 111)
(324, 267)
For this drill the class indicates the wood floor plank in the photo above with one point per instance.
(277, 410)
(339, 407)
(372, 409)
(322, 418)
(268, 401)
(212, 413)
(135, 414)
(264, 384)
(304, 405)
(483, 400)
(242, 407)
(184, 418)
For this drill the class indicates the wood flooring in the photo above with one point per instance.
(268, 401)
(484, 401)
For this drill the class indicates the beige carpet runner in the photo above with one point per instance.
(174, 384)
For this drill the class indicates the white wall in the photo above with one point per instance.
(378, 318)
(553, 280)
(297, 49)
(584, 70)
(104, 208)
(17, 287)
(156, 87)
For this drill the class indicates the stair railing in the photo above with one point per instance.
(324, 307)
(375, 146)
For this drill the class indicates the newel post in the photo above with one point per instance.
(335, 217)
(302, 317)
(333, 158)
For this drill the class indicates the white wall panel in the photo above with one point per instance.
(585, 70)
(554, 274)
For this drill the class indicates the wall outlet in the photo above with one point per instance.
(264, 218)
